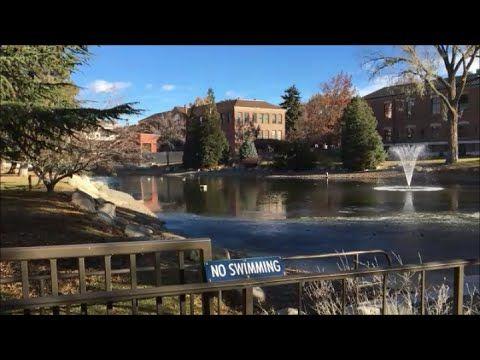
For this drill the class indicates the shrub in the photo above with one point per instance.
(295, 156)
(362, 146)
(248, 150)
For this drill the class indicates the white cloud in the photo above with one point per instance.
(103, 86)
(375, 84)
(168, 87)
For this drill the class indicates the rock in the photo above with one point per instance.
(258, 294)
(236, 296)
(83, 201)
(121, 221)
(105, 218)
(133, 230)
(108, 209)
(193, 255)
(287, 311)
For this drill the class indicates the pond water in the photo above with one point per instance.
(292, 217)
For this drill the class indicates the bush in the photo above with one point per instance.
(295, 156)
(362, 146)
(248, 150)
(264, 145)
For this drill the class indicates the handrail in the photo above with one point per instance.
(106, 250)
(247, 284)
(340, 254)
(101, 249)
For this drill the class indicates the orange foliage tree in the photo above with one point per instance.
(322, 113)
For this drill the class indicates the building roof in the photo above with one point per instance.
(472, 80)
(251, 103)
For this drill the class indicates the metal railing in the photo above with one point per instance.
(106, 250)
(206, 290)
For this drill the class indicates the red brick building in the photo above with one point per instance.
(148, 143)
(268, 118)
(406, 118)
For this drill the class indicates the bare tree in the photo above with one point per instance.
(169, 128)
(425, 66)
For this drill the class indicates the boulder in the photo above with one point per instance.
(193, 255)
(107, 208)
(287, 311)
(133, 230)
(83, 201)
(105, 218)
(258, 294)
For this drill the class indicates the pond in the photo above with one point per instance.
(292, 217)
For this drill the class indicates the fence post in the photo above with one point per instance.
(247, 300)
(458, 277)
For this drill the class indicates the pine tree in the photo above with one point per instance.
(191, 150)
(362, 146)
(291, 102)
(212, 140)
(248, 150)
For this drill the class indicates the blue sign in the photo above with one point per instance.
(236, 269)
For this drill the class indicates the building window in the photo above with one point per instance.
(255, 117)
(435, 132)
(279, 118)
(274, 134)
(146, 148)
(239, 118)
(274, 118)
(436, 105)
(400, 105)
(462, 130)
(265, 134)
(279, 134)
(410, 133)
(266, 118)
(410, 104)
(387, 135)
(387, 109)
(463, 103)
(246, 117)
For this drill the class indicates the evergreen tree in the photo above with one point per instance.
(38, 106)
(191, 150)
(212, 140)
(291, 102)
(362, 146)
(248, 150)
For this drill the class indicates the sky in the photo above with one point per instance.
(161, 77)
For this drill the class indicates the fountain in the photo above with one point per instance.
(408, 155)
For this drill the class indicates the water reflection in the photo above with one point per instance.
(286, 199)
(288, 217)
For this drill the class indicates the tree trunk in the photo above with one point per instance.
(12, 168)
(50, 186)
(452, 156)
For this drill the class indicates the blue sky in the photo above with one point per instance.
(160, 77)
